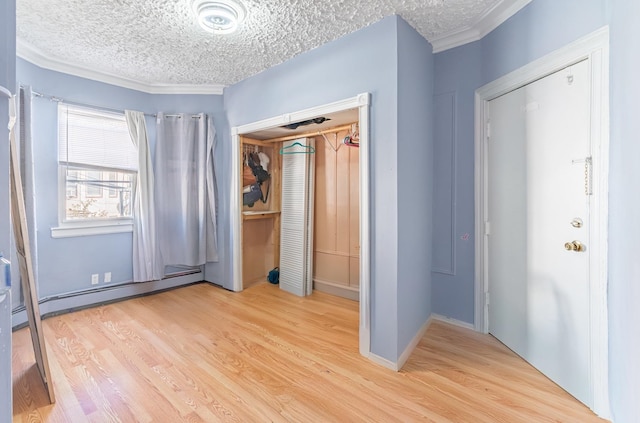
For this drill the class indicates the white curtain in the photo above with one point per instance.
(185, 193)
(147, 265)
(212, 229)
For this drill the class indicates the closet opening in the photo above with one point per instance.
(300, 203)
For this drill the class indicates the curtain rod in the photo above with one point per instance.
(107, 109)
(179, 116)
(5, 91)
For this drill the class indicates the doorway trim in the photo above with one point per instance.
(360, 102)
(595, 48)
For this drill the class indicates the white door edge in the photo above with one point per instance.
(595, 48)
(361, 102)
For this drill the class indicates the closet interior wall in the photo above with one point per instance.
(337, 217)
(261, 222)
(336, 249)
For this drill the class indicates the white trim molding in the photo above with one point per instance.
(362, 103)
(481, 26)
(450, 270)
(33, 55)
(452, 321)
(595, 48)
(413, 344)
(70, 230)
(383, 362)
(106, 293)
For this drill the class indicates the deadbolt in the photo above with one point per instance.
(576, 223)
(575, 246)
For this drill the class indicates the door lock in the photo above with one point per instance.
(575, 246)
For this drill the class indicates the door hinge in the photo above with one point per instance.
(487, 228)
(488, 129)
(486, 298)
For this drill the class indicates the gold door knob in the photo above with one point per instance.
(574, 246)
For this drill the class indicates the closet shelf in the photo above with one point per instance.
(265, 214)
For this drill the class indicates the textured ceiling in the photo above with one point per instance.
(160, 42)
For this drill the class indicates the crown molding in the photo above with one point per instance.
(33, 55)
(481, 26)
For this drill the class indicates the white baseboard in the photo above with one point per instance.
(454, 322)
(383, 362)
(77, 300)
(334, 289)
(396, 366)
(413, 344)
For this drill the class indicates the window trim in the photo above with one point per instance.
(88, 187)
(89, 226)
(85, 227)
(69, 230)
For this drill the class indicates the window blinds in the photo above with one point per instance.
(93, 138)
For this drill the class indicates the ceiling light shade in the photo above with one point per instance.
(219, 16)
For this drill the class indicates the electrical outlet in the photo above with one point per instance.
(107, 277)
(95, 278)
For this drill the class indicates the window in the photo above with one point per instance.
(94, 184)
(72, 186)
(98, 164)
(112, 182)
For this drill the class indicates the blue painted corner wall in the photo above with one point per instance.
(415, 182)
(372, 60)
(624, 207)
(538, 29)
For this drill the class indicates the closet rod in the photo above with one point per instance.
(306, 134)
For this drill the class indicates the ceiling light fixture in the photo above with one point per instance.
(219, 16)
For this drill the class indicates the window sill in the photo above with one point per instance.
(93, 228)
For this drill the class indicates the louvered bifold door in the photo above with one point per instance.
(296, 233)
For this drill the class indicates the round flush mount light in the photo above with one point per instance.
(219, 16)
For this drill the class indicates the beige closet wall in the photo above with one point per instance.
(261, 222)
(337, 217)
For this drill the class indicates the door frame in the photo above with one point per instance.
(360, 102)
(595, 48)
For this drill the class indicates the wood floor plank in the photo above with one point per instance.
(203, 354)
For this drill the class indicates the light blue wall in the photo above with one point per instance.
(457, 75)
(66, 264)
(364, 61)
(388, 60)
(7, 80)
(624, 209)
(415, 181)
(541, 27)
(8, 43)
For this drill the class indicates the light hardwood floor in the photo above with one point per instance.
(203, 354)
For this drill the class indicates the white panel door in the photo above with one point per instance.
(538, 207)
(296, 228)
